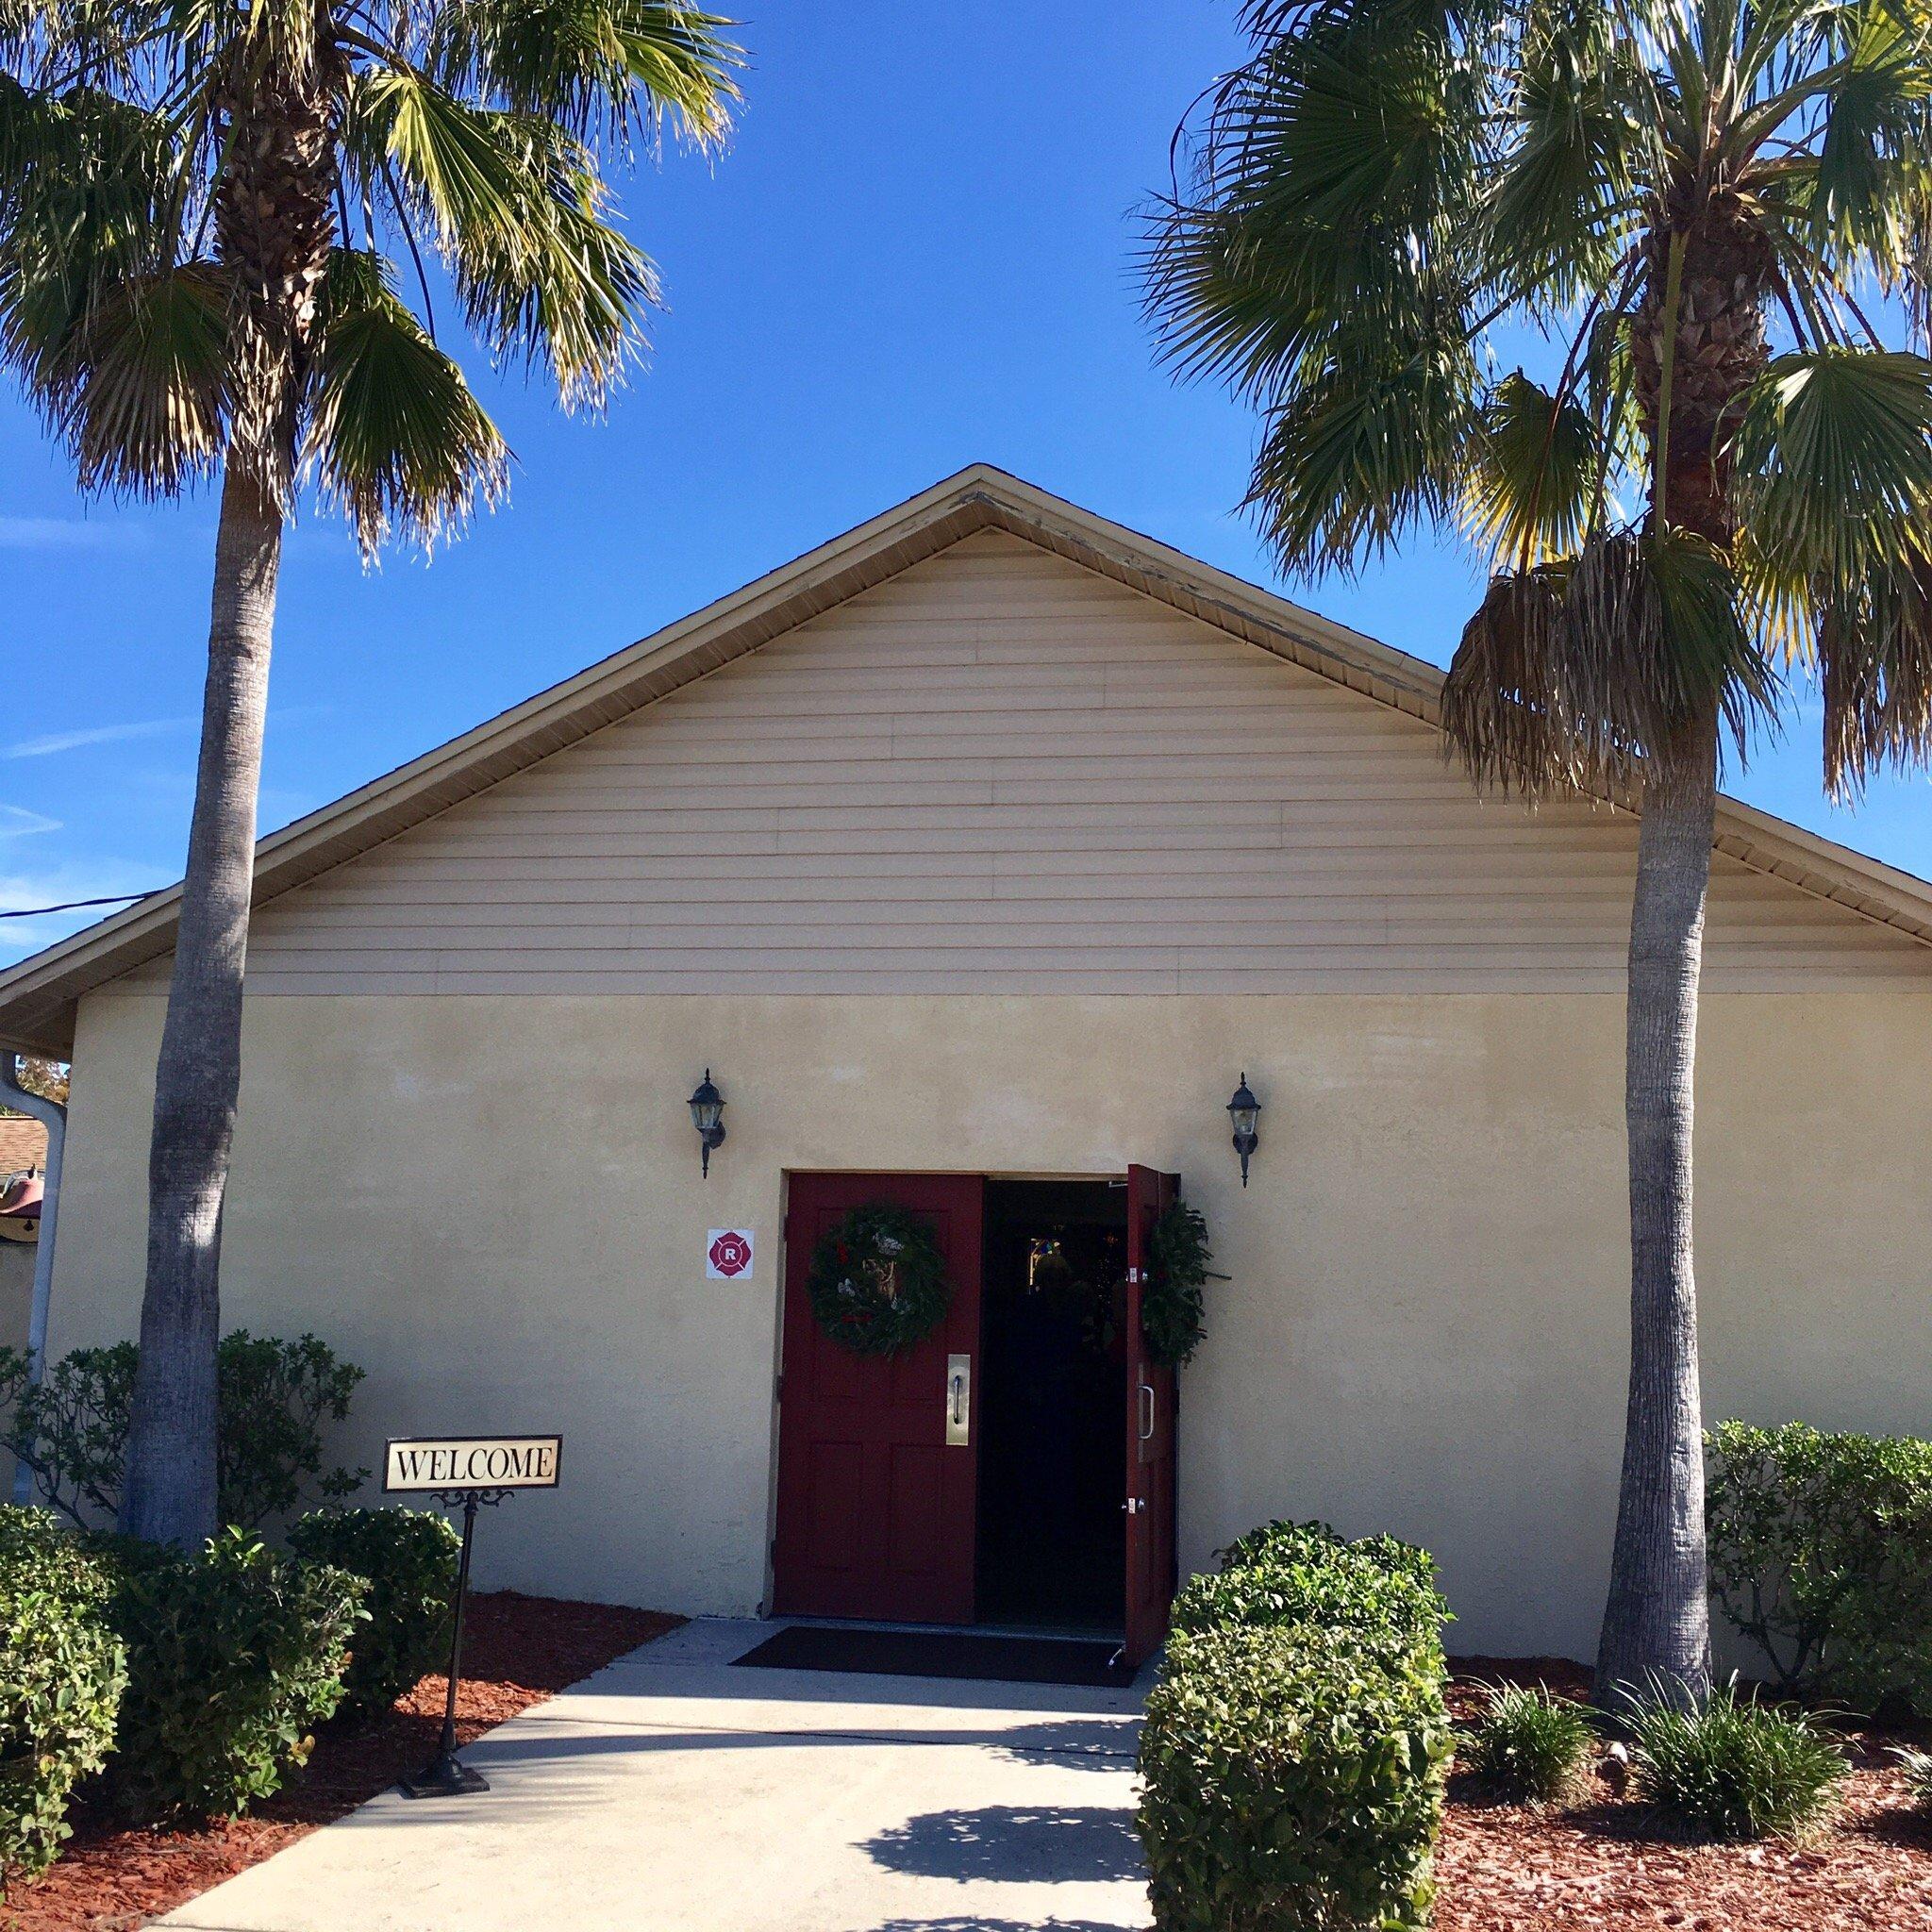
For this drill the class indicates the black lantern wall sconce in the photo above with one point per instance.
(708, 1117)
(1244, 1110)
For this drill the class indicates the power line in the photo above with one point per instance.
(74, 905)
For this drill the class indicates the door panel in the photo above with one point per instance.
(875, 1510)
(1152, 1401)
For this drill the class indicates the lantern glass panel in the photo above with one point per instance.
(707, 1106)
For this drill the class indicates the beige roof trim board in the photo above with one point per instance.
(39, 996)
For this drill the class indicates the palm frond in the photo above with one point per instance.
(1875, 115)
(1533, 475)
(519, 215)
(59, 44)
(140, 396)
(1572, 674)
(250, 42)
(121, 347)
(1832, 477)
(1566, 199)
(1608, 383)
(1333, 180)
(620, 65)
(397, 440)
(1363, 453)
(568, 290)
(1874, 672)
(87, 190)
(461, 166)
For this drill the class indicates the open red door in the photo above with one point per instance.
(877, 1456)
(1151, 1410)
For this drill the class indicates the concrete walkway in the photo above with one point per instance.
(674, 1792)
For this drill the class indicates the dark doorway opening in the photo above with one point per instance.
(1052, 1533)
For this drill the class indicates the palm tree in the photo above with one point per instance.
(1623, 292)
(209, 211)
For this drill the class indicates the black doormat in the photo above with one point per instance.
(941, 1653)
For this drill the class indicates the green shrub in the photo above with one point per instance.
(1820, 1554)
(61, 1678)
(38, 1552)
(1292, 1573)
(410, 1559)
(1734, 1767)
(1292, 1777)
(1295, 1750)
(233, 1655)
(1530, 1745)
(274, 1397)
(1296, 1542)
(71, 1428)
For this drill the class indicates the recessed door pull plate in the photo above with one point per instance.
(959, 1401)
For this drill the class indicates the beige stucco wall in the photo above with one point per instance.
(494, 1206)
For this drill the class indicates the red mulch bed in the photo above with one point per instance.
(1607, 1865)
(517, 1650)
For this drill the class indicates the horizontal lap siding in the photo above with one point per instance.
(1000, 773)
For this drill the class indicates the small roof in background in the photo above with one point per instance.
(23, 1144)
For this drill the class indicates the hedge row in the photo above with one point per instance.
(192, 1683)
(1295, 1749)
(1820, 1554)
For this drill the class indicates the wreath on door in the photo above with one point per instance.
(1173, 1317)
(878, 1281)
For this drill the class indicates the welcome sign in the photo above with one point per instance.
(417, 1463)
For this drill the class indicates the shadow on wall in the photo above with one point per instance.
(1054, 1844)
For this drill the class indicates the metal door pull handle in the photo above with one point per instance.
(1146, 1394)
(958, 1400)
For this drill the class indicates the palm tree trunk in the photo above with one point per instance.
(1656, 1623)
(170, 1492)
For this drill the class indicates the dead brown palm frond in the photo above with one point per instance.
(1572, 672)
(1875, 673)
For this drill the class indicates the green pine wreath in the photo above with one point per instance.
(1173, 1317)
(878, 1283)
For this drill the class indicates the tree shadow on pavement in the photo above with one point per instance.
(1096, 1743)
(1050, 1843)
(973, 1925)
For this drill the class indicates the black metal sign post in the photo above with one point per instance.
(446, 1776)
(448, 1468)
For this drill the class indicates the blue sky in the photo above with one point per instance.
(916, 253)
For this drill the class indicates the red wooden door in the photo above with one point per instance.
(875, 1506)
(1151, 1415)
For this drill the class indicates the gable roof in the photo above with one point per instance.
(39, 995)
